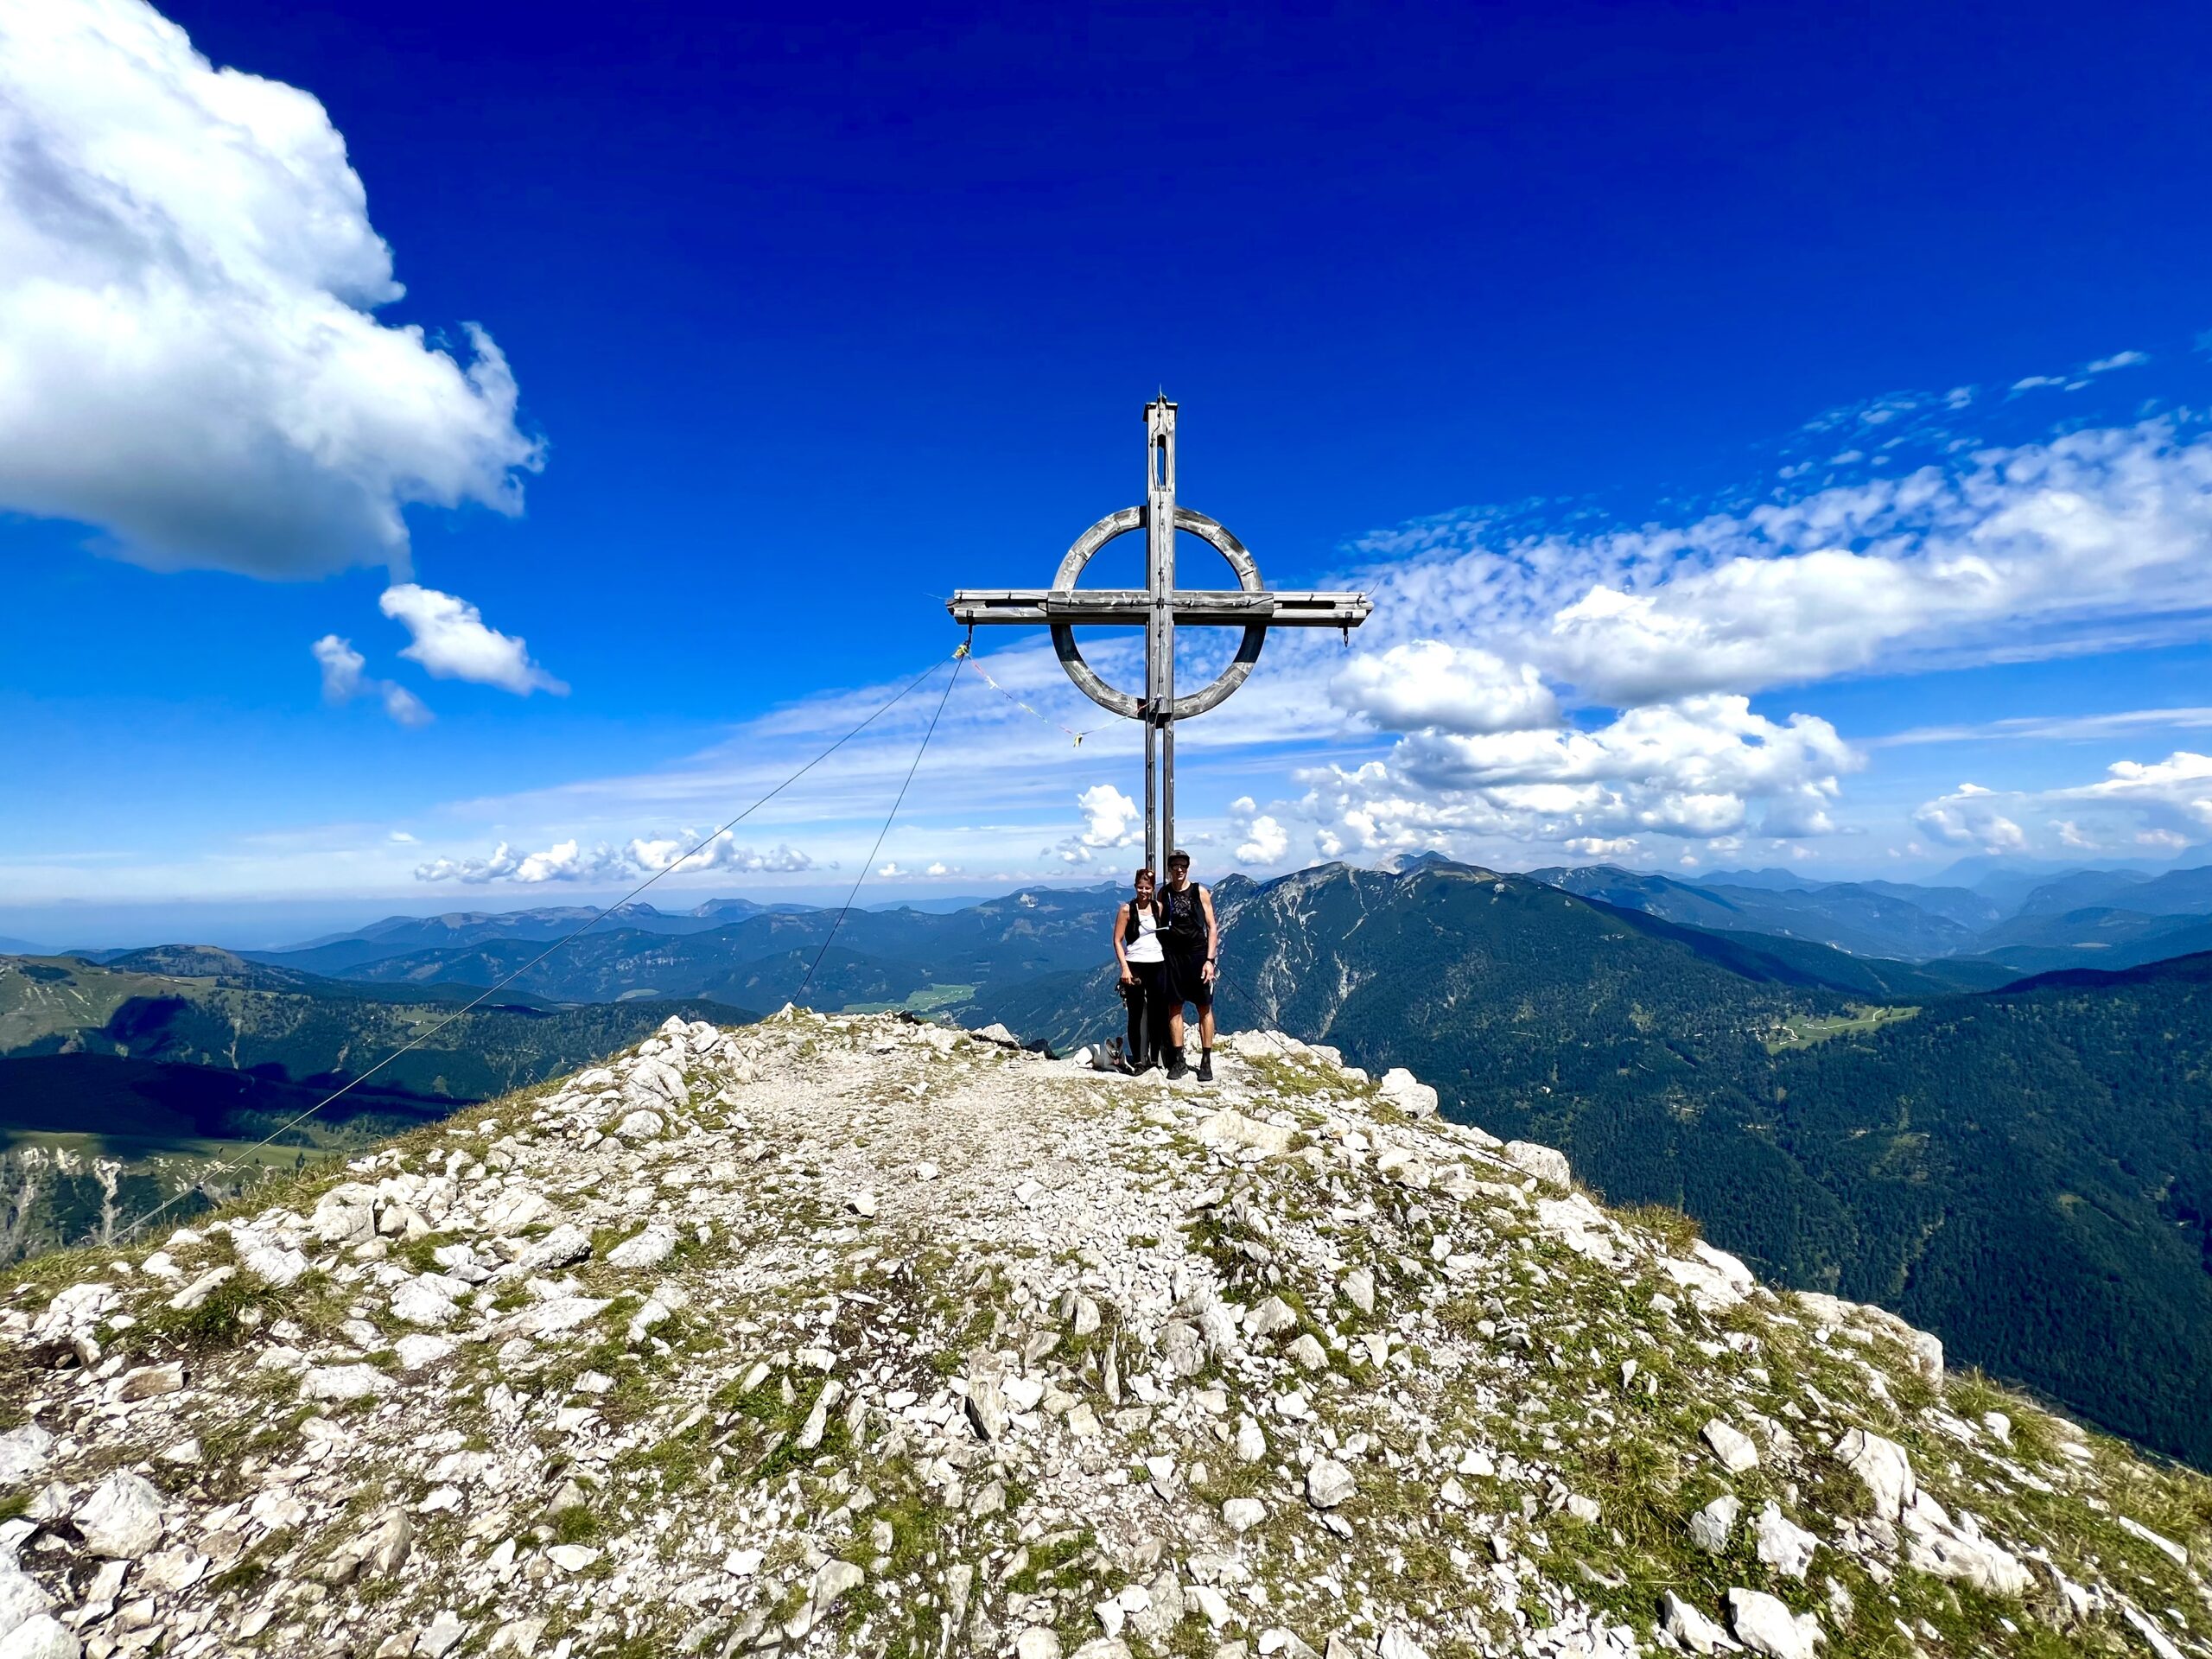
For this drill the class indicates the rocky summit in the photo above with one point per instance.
(852, 1334)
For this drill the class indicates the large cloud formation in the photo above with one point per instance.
(1692, 769)
(188, 356)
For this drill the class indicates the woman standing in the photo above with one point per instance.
(1136, 947)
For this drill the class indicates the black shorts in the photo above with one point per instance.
(1186, 979)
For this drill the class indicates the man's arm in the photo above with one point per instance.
(1213, 931)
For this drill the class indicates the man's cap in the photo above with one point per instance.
(1179, 856)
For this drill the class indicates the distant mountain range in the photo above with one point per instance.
(2013, 923)
(755, 956)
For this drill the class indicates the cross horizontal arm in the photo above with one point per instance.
(1224, 607)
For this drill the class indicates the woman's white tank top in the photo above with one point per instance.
(1145, 946)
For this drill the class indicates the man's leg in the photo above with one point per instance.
(1175, 987)
(1205, 1042)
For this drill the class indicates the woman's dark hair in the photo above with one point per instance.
(1130, 929)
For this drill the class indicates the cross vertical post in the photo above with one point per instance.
(1159, 635)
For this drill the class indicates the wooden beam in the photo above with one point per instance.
(1131, 606)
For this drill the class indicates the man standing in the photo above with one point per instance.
(1192, 942)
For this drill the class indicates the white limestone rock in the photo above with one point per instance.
(274, 1264)
(345, 1215)
(1329, 1484)
(41, 1637)
(418, 1303)
(1766, 1626)
(23, 1454)
(1730, 1445)
(1407, 1093)
(419, 1350)
(1547, 1164)
(564, 1246)
(340, 1383)
(1883, 1467)
(648, 1248)
(122, 1517)
(1783, 1545)
(1689, 1627)
(21, 1598)
(1711, 1526)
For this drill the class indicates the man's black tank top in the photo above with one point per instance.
(1186, 926)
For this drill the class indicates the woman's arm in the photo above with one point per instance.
(1121, 956)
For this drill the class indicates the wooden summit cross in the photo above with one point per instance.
(1159, 608)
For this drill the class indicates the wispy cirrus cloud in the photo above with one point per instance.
(2050, 727)
(1995, 555)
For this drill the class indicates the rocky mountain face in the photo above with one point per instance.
(852, 1334)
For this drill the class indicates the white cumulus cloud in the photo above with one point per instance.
(452, 641)
(343, 680)
(2165, 805)
(1261, 838)
(1970, 817)
(189, 357)
(1110, 819)
(1428, 684)
(570, 861)
(649, 854)
(2177, 791)
(1699, 768)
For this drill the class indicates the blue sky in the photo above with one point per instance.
(1775, 435)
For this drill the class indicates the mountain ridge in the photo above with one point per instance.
(855, 1335)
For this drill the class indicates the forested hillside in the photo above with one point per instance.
(2029, 1174)
(2024, 1171)
(284, 1025)
(120, 1085)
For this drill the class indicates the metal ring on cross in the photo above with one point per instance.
(1123, 702)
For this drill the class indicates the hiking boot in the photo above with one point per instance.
(1206, 1066)
(1177, 1069)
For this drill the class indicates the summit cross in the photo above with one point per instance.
(1159, 608)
